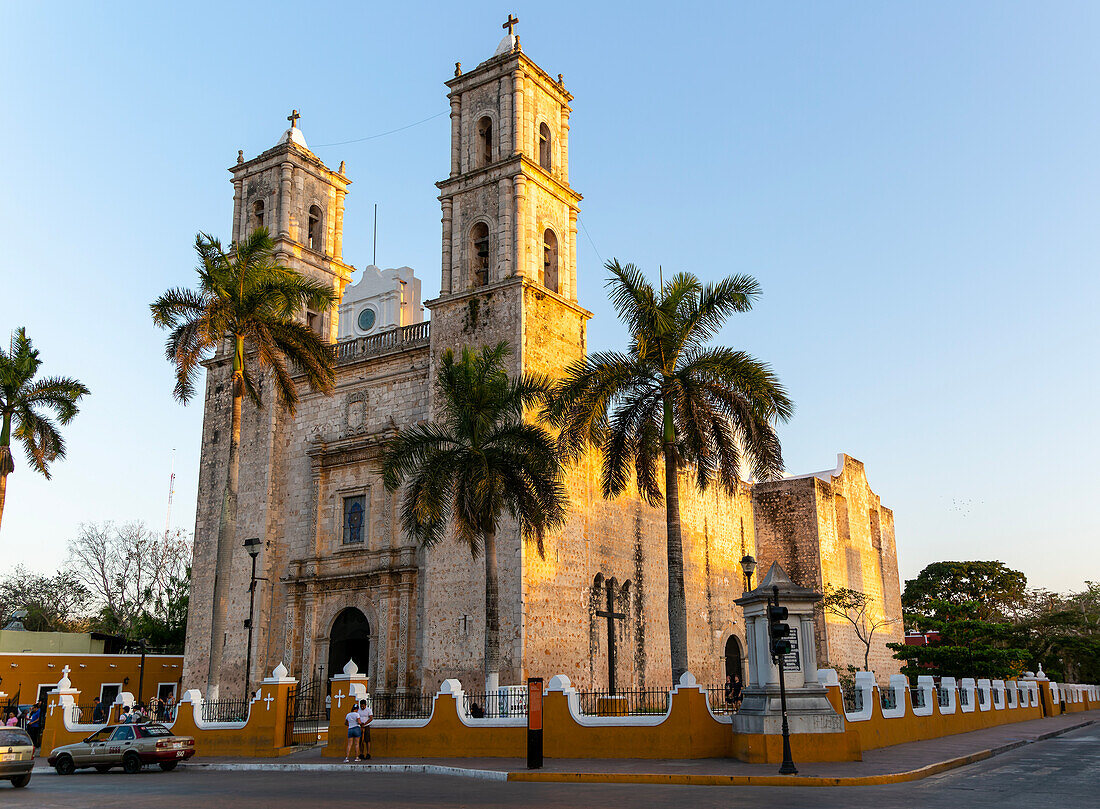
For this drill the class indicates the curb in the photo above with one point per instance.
(685, 779)
(668, 779)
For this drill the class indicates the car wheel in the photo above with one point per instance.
(102, 767)
(131, 763)
(21, 781)
(168, 766)
(65, 766)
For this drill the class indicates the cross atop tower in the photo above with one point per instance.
(512, 21)
(293, 118)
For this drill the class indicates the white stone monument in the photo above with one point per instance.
(808, 707)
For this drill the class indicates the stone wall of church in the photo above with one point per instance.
(830, 529)
(626, 540)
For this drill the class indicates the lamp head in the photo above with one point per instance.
(253, 546)
(748, 564)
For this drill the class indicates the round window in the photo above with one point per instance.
(366, 319)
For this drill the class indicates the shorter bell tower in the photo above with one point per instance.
(291, 192)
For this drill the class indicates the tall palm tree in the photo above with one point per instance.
(22, 402)
(480, 461)
(247, 298)
(670, 396)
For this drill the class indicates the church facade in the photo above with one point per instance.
(337, 579)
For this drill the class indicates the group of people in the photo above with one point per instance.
(358, 721)
(32, 719)
(158, 710)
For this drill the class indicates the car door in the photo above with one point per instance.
(84, 752)
(121, 741)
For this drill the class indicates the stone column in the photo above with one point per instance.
(766, 672)
(808, 651)
(572, 282)
(238, 195)
(563, 146)
(504, 227)
(445, 286)
(338, 233)
(520, 224)
(517, 112)
(456, 135)
(284, 199)
(404, 590)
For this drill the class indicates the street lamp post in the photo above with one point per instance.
(748, 564)
(253, 547)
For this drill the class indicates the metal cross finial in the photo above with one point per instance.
(293, 118)
(510, 24)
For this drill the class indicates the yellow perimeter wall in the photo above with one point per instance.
(24, 673)
(687, 731)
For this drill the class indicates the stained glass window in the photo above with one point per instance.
(355, 514)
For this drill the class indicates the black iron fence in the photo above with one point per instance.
(944, 695)
(917, 696)
(720, 701)
(225, 710)
(888, 697)
(634, 702)
(400, 706)
(853, 697)
(964, 697)
(502, 704)
(306, 712)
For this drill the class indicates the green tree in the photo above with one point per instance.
(252, 302)
(479, 462)
(24, 402)
(54, 603)
(671, 397)
(972, 605)
(1062, 633)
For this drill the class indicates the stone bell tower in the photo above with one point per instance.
(288, 190)
(509, 273)
(510, 215)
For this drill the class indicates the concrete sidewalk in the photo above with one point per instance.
(904, 762)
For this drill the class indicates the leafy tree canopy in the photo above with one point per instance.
(980, 590)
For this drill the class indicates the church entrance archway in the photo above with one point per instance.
(349, 640)
(734, 664)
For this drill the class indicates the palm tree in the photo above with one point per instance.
(250, 300)
(670, 396)
(22, 400)
(479, 461)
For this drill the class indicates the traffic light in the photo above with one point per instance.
(778, 631)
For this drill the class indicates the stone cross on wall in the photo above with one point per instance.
(339, 696)
(611, 615)
(269, 699)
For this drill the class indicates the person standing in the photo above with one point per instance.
(354, 733)
(366, 716)
(99, 712)
(35, 722)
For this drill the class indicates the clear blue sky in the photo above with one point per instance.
(914, 184)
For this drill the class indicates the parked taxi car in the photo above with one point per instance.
(128, 746)
(16, 756)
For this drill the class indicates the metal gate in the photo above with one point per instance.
(306, 712)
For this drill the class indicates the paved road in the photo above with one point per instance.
(1062, 772)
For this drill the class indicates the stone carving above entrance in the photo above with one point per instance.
(355, 414)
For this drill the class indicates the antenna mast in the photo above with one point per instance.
(171, 490)
(374, 260)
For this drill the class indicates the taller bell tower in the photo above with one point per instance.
(510, 215)
(509, 273)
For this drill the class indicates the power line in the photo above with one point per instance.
(383, 134)
(589, 235)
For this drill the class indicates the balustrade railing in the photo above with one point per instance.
(402, 336)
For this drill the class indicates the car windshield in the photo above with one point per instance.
(154, 730)
(14, 737)
(101, 735)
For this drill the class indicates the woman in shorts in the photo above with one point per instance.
(354, 732)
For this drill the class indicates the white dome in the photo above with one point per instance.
(294, 134)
